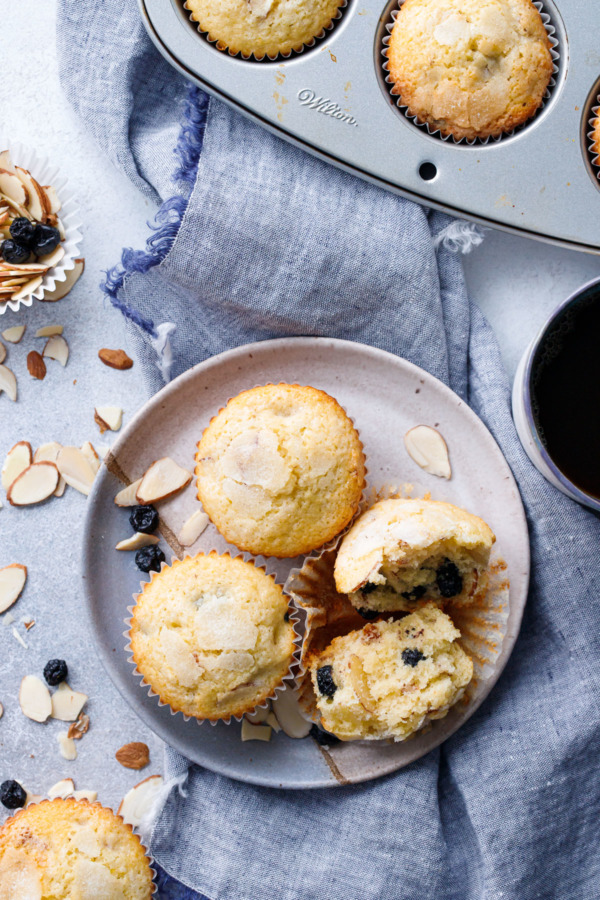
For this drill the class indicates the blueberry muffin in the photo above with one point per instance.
(263, 27)
(402, 552)
(391, 677)
(211, 635)
(467, 68)
(280, 470)
(71, 850)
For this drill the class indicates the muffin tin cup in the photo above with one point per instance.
(593, 153)
(472, 142)
(483, 624)
(288, 681)
(252, 57)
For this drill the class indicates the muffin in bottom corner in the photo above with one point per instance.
(211, 635)
(71, 850)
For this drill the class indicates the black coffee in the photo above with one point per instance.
(566, 392)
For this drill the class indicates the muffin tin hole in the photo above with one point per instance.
(590, 111)
(428, 171)
(556, 32)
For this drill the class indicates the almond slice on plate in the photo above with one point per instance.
(35, 484)
(49, 453)
(12, 582)
(287, 712)
(63, 287)
(13, 335)
(138, 803)
(2, 353)
(36, 365)
(62, 789)
(57, 348)
(66, 745)
(66, 703)
(255, 732)
(49, 331)
(108, 418)
(427, 447)
(127, 496)
(116, 359)
(163, 479)
(17, 460)
(135, 755)
(75, 469)
(137, 541)
(28, 288)
(8, 383)
(34, 699)
(90, 454)
(259, 716)
(193, 528)
(92, 796)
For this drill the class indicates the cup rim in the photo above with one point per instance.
(572, 489)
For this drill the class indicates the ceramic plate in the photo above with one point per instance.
(385, 396)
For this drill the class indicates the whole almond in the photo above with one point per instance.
(36, 365)
(116, 359)
(133, 756)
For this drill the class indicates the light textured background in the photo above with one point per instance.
(516, 281)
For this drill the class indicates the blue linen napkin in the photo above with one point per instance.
(257, 240)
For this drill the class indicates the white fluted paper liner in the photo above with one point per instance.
(288, 681)
(329, 614)
(221, 45)
(45, 172)
(593, 146)
(435, 132)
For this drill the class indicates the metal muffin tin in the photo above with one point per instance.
(332, 100)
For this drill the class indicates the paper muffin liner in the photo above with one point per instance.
(287, 682)
(296, 51)
(329, 614)
(592, 151)
(471, 142)
(45, 173)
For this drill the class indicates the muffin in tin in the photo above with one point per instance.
(280, 470)
(263, 27)
(74, 850)
(389, 678)
(402, 552)
(470, 69)
(212, 636)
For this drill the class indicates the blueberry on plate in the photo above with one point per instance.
(55, 671)
(15, 252)
(148, 559)
(46, 238)
(22, 230)
(12, 795)
(144, 519)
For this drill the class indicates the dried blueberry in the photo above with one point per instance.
(46, 238)
(368, 614)
(449, 580)
(12, 795)
(419, 591)
(15, 252)
(22, 230)
(144, 519)
(55, 671)
(324, 738)
(368, 588)
(325, 682)
(286, 617)
(148, 559)
(411, 656)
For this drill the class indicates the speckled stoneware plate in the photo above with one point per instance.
(385, 396)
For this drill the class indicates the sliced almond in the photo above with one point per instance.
(8, 383)
(13, 188)
(27, 269)
(36, 199)
(255, 732)
(17, 207)
(63, 287)
(28, 288)
(193, 528)
(259, 716)
(427, 447)
(51, 198)
(273, 721)
(13, 335)
(17, 460)
(91, 796)
(57, 348)
(163, 479)
(135, 755)
(79, 727)
(2, 353)
(34, 699)
(32, 798)
(137, 541)
(127, 496)
(116, 359)
(12, 582)
(67, 704)
(90, 454)
(66, 745)
(1, 710)
(35, 484)
(49, 453)
(62, 789)
(138, 803)
(49, 331)
(108, 418)
(287, 712)
(52, 259)
(36, 365)
(75, 469)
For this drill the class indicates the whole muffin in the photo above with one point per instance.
(401, 552)
(468, 68)
(211, 635)
(74, 850)
(389, 678)
(262, 27)
(280, 470)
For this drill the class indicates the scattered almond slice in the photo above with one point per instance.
(35, 484)
(17, 460)
(193, 528)
(57, 348)
(18, 207)
(49, 453)
(273, 721)
(90, 454)
(2, 353)
(31, 798)
(255, 732)
(62, 789)
(75, 469)
(51, 259)
(127, 496)
(28, 288)
(92, 796)
(137, 541)
(14, 335)
(66, 745)
(12, 582)
(34, 699)
(1, 710)
(108, 418)
(163, 479)
(116, 359)
(49, 331)
(36, 199)
(66, 704)
(259, 716)
(79, 727)
(139, 801)
(63, 287)
(19, 639)
(8, 383)
(287, 711)
(135, 755)
(36, 365)
(13, 188)
(427, 447)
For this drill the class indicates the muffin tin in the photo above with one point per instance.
(333, 101)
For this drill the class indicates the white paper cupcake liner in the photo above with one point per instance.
(593, 153)
(45, 172)
(480, 142)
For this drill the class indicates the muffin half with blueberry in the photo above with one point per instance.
(403, 552)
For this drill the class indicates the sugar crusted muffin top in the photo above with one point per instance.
(74, 850)
(211, 635)
(470, 68)
(262, 27)
(280, 470)
(389, 678)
